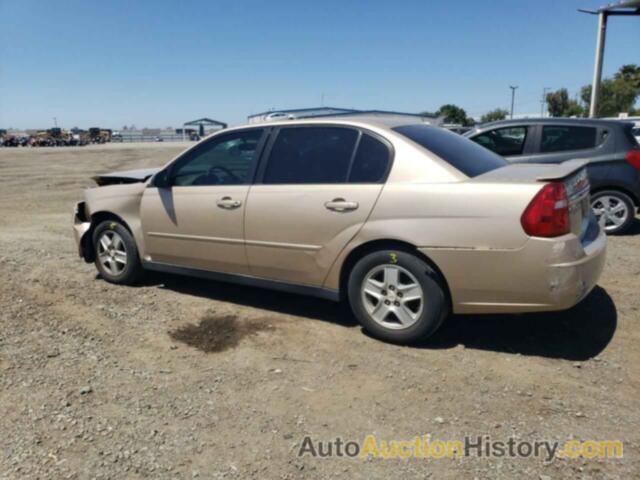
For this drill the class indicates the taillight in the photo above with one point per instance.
(548, 213)
(633, 157)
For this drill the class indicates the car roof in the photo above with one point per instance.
(382, 121)
(596, 122)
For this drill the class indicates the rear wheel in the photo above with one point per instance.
(117, 257)
(614, 210)
(396, 296)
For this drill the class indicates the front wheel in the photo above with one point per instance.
(117, 257)
(396, 296)
(614, 210)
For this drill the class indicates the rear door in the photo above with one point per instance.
(558, 143)
(314, 192)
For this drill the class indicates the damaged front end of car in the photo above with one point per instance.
(117, 196)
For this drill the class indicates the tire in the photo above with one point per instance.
(117, 258)
(402, 320)
(614, 210)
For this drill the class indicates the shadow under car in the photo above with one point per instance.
(579, 333)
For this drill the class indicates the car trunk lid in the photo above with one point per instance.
(571, 174)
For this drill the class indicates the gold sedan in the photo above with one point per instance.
(409, 222)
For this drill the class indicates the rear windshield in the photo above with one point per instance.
(460, 152)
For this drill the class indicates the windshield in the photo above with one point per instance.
(460, 152)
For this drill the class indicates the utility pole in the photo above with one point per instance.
(543, 102)
(597, 69)
(513, 96)
(622, 8)
(55, 122)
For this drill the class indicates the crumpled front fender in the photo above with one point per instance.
(81, 227)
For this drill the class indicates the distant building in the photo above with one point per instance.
(205, 126)
(273, 115)
(625, 117)
(295, 113)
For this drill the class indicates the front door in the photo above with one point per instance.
(515, 142)
(197, 222)
(314, 193)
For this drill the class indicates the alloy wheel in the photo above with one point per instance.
(392, 296)
(610, 211)
(112, 252)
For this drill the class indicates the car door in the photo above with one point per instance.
(513, 142)
(562, 142)
(558, 143)
(313, 194)
(196, 220)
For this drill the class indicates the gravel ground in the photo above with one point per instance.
(184, 378)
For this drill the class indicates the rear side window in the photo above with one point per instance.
(460, 152)
(371, 161)
(311, 155)
(560, 138)
(503, 141)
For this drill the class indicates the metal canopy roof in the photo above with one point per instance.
(205, 121)
(624, 7)
(621, 8)
(301, 110)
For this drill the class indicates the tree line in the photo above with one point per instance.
(617, 94)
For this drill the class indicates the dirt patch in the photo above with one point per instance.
(218, 333)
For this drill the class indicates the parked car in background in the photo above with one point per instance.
(275, 116)
(609, 147)
(408, 222)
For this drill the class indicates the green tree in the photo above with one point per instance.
(560, 105)
(617, 94)
(629, 73)
(454, 114)
(494, 115)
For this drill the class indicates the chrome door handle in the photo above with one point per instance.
(340, 205)
(228, 203)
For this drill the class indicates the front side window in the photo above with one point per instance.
(560, 138)
(223, 160)
(503, 141)
(310, 155)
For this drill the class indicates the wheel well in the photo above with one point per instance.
(88, 252)
(361, 250)
(628, 193)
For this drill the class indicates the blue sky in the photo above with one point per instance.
(159, 63)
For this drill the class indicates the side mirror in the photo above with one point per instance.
(162, 179)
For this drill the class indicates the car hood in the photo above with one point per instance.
(128, 176)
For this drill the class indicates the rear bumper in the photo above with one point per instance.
(543, 275)
(574, 280)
